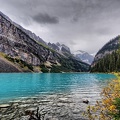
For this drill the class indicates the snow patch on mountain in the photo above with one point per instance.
(61, 48)
(84, 56)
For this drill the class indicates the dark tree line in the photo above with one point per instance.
(109, 63)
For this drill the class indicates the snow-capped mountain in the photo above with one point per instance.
(61, 48)
(84, 56)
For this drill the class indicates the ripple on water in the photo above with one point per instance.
(58, 96)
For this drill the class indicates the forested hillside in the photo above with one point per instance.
(108, 58)
(109, 63)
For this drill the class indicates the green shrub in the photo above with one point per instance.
(20, 62)
(117, 104)
(44, 69)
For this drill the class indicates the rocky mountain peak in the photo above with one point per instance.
(83, 56)
(60, 48)
(58, 44)
(79, 52)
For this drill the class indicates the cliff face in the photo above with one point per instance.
(16, 43)
(24, 47)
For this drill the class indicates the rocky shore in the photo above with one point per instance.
(49, 107)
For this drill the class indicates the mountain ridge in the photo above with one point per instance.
(60, 48)
(107, 58)
(108, 48)
(83, 56)
(20, 48)
(32, 35)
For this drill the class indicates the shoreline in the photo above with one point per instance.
(51, 107)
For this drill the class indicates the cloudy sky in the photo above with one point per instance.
(80, 24)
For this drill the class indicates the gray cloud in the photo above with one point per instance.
(83, 24)
(45, 19)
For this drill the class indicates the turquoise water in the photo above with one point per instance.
(15, 85)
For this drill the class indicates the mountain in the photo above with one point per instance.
(107, 58)
(32, 35)
(84, 56)
(60, 48)
(78, 55)
(27, 52)
(7, 66)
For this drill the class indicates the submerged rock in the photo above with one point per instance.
(85, 101)
(4, 105)
(49, 107)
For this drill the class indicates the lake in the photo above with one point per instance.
(16, 85)
(58, 96)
